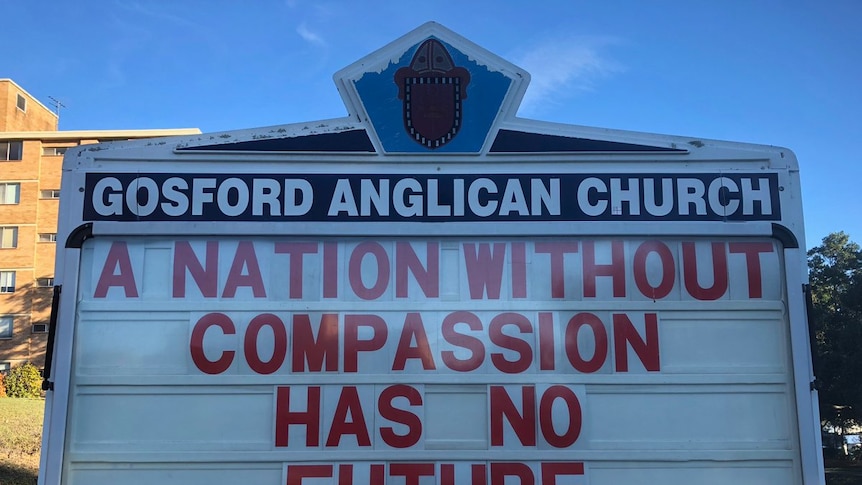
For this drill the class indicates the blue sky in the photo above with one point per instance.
(784, 73)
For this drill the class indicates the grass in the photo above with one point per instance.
(20, 440)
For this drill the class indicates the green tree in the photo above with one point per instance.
(24, 381)
(835, 272)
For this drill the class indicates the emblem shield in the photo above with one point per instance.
(432, 90)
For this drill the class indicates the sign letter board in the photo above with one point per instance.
(431, 291)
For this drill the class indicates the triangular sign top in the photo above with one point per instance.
(432, 90)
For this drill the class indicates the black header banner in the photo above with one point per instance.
(136, 197)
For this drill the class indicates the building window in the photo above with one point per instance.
(48, 237)
(4, 367)
(53, 151)
(10, 193)
(7, 282)
(22, 103)
(45, 282)
(11, 150)
(8, 237)
(5, 328)
(39, 328)
(49, 194)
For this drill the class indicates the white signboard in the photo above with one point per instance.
(399, 359)
(383, 301)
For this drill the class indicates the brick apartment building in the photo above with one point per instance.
(31, 157)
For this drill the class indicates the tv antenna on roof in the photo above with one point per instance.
(57, 106)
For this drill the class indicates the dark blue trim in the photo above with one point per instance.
(509, 141)
(785, 235)
(79, 235)
(47, 384)
(345, 141)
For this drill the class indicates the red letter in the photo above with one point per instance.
(485, 269)
(668, 270)
(355, 270)
(411, 471)
(752, 264)
(601, 338)
(196, 345)
(502, 406)
(427, 278)
(284, 417)
(296, 251)
(719, 272)
(245, 258)
(522, 347)
(616, 270)
(557, 250)
(352, 344)
(279, 351)
(499, 472)
(345, 474)
(413, 327)
(519, 270)
(330, 270)
(546, 420)
(205, 278)
(551, 470)
(348, 402)
(295, 473)
(547, 341)
(325, 347)
(378, 473)
(473, 344)
(117, 255)
(647, 351)
(400, 416)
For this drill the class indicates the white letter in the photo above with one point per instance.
(342, 199)
(761, 194)
(171, 190)
(414, 208)
(632, 195)
(691, 192)
(715, 196)
(549, 197)
(199, 197)
(368, 195)
(666, 197)
(473, 197)
(114, 207)
(458, 197)
(434, 207)
(265, 191)
(291, 186)
(514, 199)
(152, 200)
(241, 197)
(588, 185)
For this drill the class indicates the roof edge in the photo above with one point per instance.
(97, 134)
(34, 98)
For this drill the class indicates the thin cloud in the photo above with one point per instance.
(309, 36)
(161, 14)
(563, 68)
